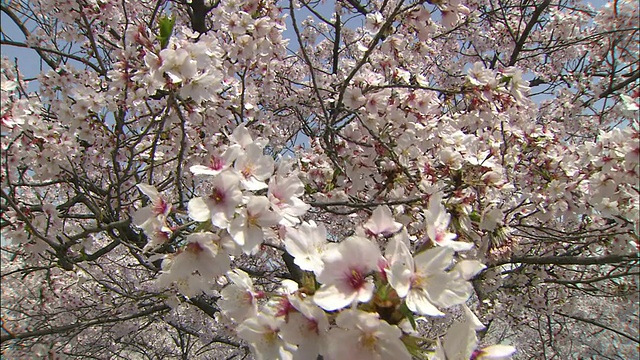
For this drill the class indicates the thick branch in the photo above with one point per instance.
(525, 34)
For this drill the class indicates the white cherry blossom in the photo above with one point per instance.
(344, 275)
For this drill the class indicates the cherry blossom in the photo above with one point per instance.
(201, 179)
(307, 244)
(220, 204)
(361, 335)
(344, 274)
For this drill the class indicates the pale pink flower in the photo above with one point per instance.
(177, 64)
(424, 281)
(306, 326)
(437, 220)
(353, 98)
(284, 195)
(255, 167)
(199, 263)
(220, 205)
(218, 163)
(246, 228)
(363, 336)
(344, 276)
(381, 222)
(262, 332)
(157, 211)
(307, 244)
(239, 300)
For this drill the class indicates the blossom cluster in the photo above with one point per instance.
(351, 296)
(422, 158)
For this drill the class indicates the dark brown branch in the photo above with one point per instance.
(618, 86)
(569, 260)
(53, 51)
(525, 34)
(66, 328)
(595, 323)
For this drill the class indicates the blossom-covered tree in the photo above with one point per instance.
(439, 179)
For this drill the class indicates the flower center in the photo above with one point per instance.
(218, 196)
(312, 326)
(160, 207)
(194, 248)
(252, 219)
(368, 341)
(247, 171)
(270, 335)
(356, 279)
(216, 163)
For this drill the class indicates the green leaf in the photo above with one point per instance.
(413, 345)
(475, 216)
(203, 226)
(166, 24)
(404, 310)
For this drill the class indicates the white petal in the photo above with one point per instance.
(203, 170)
(434, 260)
(469, 268)
(241, 279)
(198, 210)
(331, 298)
(497, 352)
(401, 267)
(418, 302)
(382, 222)
(253, 184)
(472, 319)
(150, 191)
(459, 245)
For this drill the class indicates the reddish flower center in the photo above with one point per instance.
(356, 279)
(216, 163)
(160, 207)
(194, 248)
(312, 326)
(218, 196)
(475, 354)
(284, 307)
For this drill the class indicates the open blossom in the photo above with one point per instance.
(262, 332)
(152, 218)
(437, 219)
(452, 12)
(156, 212)
(239, 299)
(220, 205)
(255, 167)
(218, 162)
(353, 98)
(344, 276)
(306, 326)
(374, 22)
(307, 244)
(478, 75)
(461, 343)
(246, 228)
(201, 261)
(284, 194)
(363, 336)
(518, 87)
(177, 64)
(424, 281)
